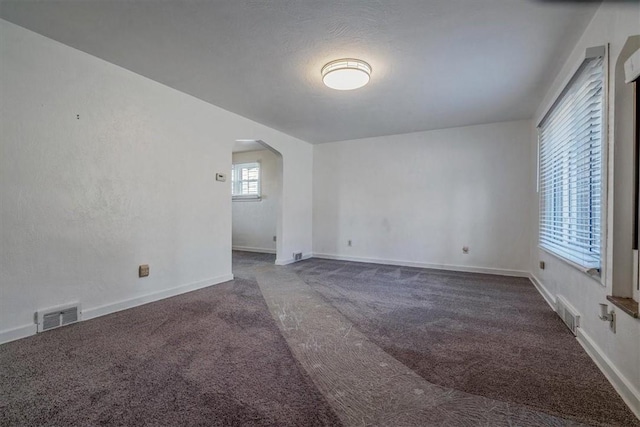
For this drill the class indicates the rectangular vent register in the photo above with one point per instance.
(55, 317)
(568, 314)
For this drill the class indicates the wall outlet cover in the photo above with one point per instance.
(143, 270)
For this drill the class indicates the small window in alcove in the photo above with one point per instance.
(245, 181)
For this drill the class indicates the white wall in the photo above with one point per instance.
(84, 201)
(417, 199)
(254, 222)
(618, 353)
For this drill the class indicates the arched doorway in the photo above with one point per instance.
(256, 181)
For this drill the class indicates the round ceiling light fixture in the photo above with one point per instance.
(346, 74)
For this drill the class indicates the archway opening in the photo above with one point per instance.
(256, 192)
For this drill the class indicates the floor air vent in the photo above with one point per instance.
(568, 314)
(55, 317)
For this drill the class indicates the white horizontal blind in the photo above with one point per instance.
(570, 169)
(245, 180)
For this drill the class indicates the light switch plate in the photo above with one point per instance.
(221, 177)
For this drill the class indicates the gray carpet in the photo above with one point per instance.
(486, 335)
(217, 356)
(212, 357)
(365, 385)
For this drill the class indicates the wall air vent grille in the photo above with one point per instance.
(55, 317)
(568, 314)
(69, 316)
(51, 320)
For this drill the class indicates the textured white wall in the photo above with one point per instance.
(254, 222)
(618, 353)
(85, 201)
(419, 198)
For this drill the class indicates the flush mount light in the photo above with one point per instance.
(346, 74)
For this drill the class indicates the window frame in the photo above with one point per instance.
(236, 182)
(591, 53)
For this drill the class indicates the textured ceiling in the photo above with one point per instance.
(436, 64)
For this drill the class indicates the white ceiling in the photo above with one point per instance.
(436, 64)
(244, 145)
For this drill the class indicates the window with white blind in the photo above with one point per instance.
(245, 181)
(571, 167)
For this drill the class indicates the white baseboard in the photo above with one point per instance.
(17, 333)
(548, 296)
(624, 387)
(291, 260)
(91, 313)
(449, 267)
(252, 249)
(155, 296)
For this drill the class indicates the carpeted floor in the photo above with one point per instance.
(365, 385)
(211, 357)
(486, 335)
(484, 348)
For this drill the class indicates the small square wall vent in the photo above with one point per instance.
(54, 317)
(297, 256)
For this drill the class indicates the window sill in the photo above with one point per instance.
(596, 277)
(246, 199)
(628, 305)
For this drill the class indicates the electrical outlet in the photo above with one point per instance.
(349, 243)
(465, 249)
(542, 265)
(274, 238)
(221, 177)
(143, 270)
